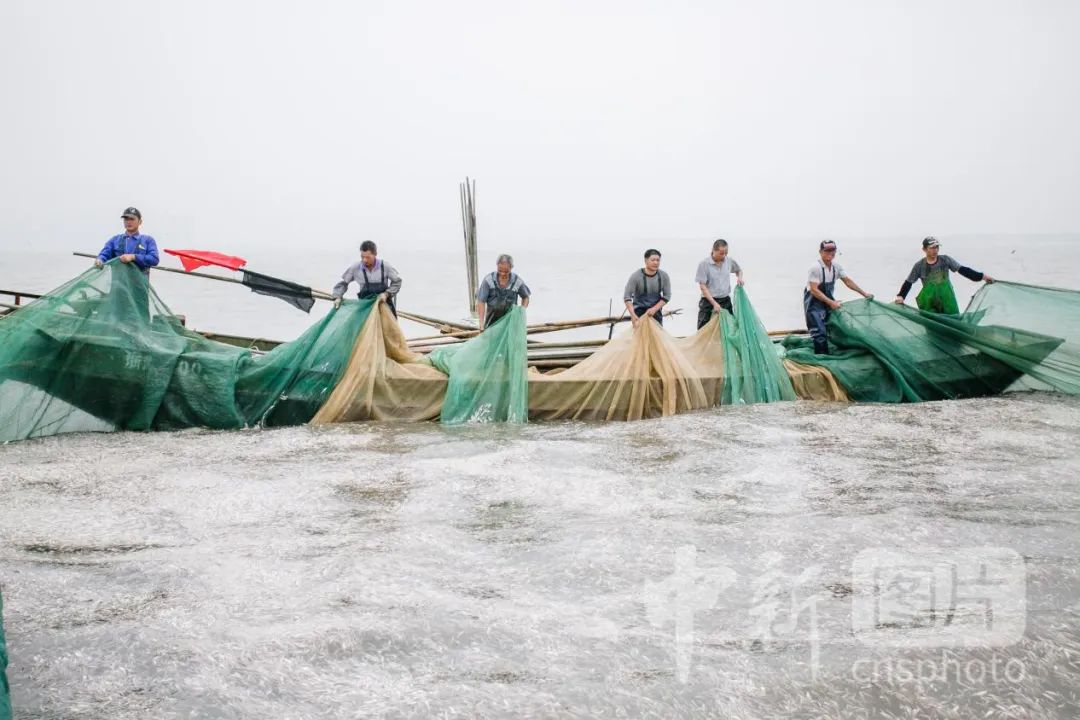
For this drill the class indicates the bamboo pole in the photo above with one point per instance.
(531, 353)
(438, 326)
(465, 235)
(317, 294)
(529, 330)
(531, 344)
(443, 326)
(473, 267)
(435, 322)
(538, 345)
(560, 358)
(553, 363)
(552, 326)
(428, 344)
(19, 295)
(467, 196)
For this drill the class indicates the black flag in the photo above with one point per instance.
(296, 295)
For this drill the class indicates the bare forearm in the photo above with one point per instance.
(706, 294)
(815, 290)
(855, 286)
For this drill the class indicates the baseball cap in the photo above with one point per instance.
(930, 242)
(131, 212)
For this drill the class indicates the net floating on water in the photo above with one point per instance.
(1011, 337)
(104, 353)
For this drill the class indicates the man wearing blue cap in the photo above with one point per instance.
(131, 246)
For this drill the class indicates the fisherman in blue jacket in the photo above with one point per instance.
(132, 246)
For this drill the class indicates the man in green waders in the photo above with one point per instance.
(937, 292)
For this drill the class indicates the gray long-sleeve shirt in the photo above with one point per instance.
(355, 273)
(639, 285)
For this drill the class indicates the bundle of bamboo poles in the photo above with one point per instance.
(467, 192)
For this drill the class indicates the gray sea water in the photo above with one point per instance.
(792, 560)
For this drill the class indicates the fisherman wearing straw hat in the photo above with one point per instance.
(499, 292)
(937, 292)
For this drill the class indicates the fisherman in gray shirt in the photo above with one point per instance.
(499, 292)
(714, 279)
(648, 290)
(374, 276)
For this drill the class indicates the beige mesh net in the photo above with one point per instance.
(641, 373)
(815, 383)
(384, 379)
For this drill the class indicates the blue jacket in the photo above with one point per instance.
(143, 247)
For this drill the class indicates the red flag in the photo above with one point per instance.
(192, 259)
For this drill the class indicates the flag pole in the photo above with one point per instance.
(317, 294)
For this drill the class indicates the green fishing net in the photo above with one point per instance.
(488, 374)
(753, 371)
(103, 352)
(1010, 337)
(1052, 314)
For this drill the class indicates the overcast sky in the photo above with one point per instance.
(235, 126)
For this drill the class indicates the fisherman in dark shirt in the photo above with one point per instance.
(648, 290)
(499, 292)
(937, 293)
